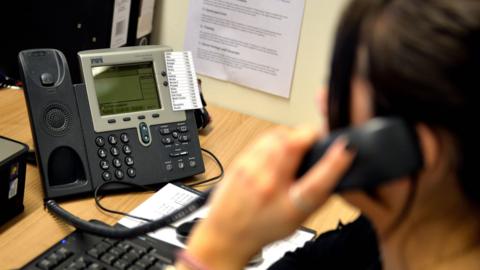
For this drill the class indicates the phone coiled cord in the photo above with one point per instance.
(111, 232)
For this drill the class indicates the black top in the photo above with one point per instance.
(351, 246)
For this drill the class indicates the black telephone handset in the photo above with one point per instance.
(117, 126)
(386, 148)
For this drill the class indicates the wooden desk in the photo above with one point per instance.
(33, 231)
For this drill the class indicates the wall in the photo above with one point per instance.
(311, 69)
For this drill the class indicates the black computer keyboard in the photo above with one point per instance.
(81, 250)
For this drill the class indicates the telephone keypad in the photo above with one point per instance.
(117, 156)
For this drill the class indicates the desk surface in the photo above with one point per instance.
(33, 231)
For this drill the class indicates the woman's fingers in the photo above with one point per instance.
(315, 186)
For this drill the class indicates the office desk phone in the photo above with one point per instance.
(118, 125)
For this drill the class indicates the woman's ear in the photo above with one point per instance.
(429, 146)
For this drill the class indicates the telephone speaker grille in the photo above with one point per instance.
(57, 119)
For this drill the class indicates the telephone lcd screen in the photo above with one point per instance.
(126, 88)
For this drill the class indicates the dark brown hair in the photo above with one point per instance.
(423, 62)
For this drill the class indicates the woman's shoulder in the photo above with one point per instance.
(349, 246)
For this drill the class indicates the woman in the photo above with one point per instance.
(415, 59)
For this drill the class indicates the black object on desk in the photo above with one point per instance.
(12, 177)
(80, 250)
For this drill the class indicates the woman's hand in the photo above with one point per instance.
(260, 200)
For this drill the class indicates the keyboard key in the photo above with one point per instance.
(45, 264)
(111, 241)
(54, 258)
(117, 251)
(158, 266)
(129, 257)
(89, 252)
(121, 264)
(108, 258)
(102, 247)
(95, 266)
(124, 245)
(142, 263)
(135, 267)
(79, 263)
(63, 253)
(141, 250)
(94, 253)
(151, 259)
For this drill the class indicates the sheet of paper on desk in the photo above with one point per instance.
(172, 197)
